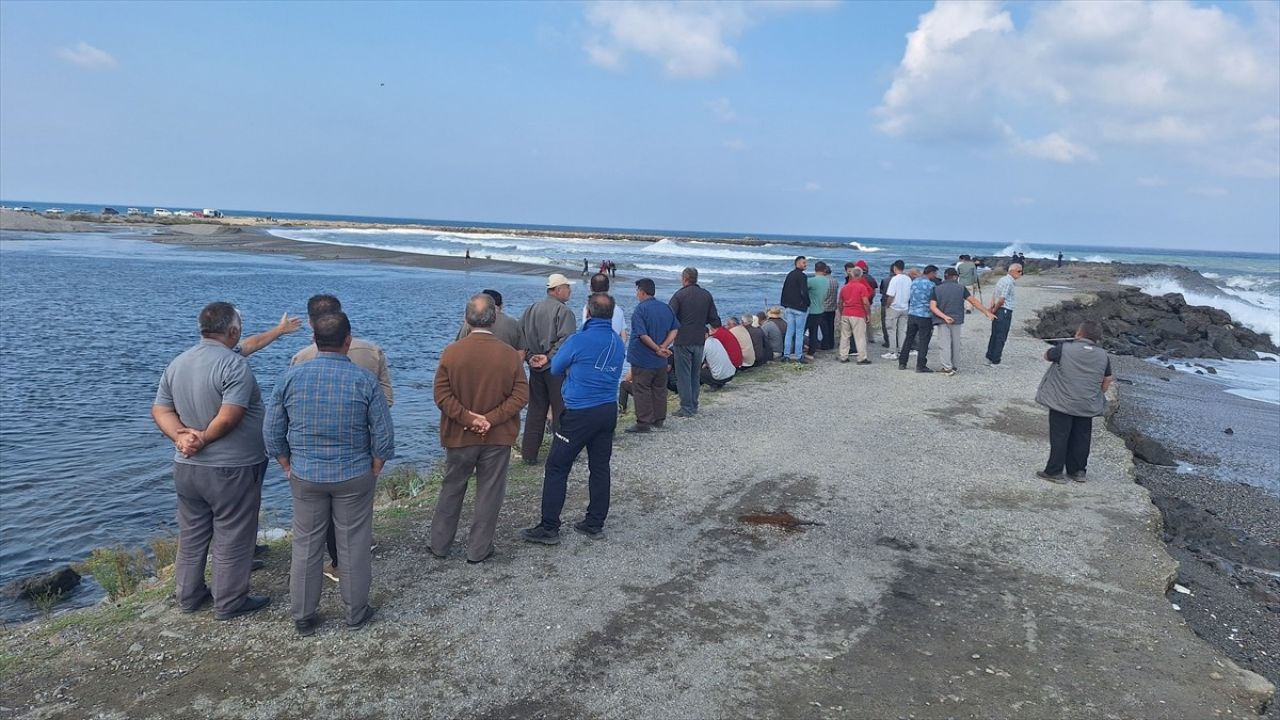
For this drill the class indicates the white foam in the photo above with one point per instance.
(1027, 251)
(676, 269)
(1098, 259)
(1253, 379)
(864, 248)
(1254, 316)
(671, 248)
(529, 259)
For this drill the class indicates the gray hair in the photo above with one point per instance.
(747, 319)
(856, 272)
(218, 318)
(482, 312)
(1016, 265)
(689, 274)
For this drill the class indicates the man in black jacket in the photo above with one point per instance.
(694, 309)
(795, 309)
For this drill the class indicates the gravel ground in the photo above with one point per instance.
(940, 579)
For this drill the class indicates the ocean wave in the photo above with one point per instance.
(1254, 316)
(1027, 251)
(864, 248)
(1244, 378)
(504, 257)
(671, 248)
(1096, 259)
(676, 269)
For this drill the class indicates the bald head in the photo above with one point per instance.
(482, 311)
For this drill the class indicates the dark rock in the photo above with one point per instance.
(1269, 359)
(1229, 431)
(1148, 450)
(1211, 370)
(1165, 379)
(1170, 367)
(58, 582)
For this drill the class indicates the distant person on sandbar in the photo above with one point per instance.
(1059, 258)
(1002, 307)
(480, 389)
(654, 329)
(208, 403)
(329, 427)
(694, 308)
(591, 364)
(1074, 389)
(585, 266)
(544, 327)
(795, 309)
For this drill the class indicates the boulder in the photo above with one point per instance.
(1148, 450)
(56, 583)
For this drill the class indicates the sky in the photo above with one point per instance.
(1139, 124)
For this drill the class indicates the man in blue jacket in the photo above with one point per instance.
(591, 363)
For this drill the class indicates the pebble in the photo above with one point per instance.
(136, 647)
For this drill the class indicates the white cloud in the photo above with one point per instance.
(1164, 75)
(1151, 181)
(689, 39)
(723, 110)
(813, 186)
(87, 56)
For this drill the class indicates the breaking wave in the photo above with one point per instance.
(1254, 315)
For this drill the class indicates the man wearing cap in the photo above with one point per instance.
(775, 330)
(208, 403)
(694, 308)
(505, 327)
(544, 327)
(947, 306)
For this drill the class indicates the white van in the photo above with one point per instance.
(161, 212)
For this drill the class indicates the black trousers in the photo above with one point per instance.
(919, 332)
(706, 378)
(1069, 437)
(828, 330)
(884, 327)
(544, 392)
(813, 327)
(591, 428)
(999, 334)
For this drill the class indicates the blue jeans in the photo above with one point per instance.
(999, 334)
(793, 343)
(591, 428)
(688, 363)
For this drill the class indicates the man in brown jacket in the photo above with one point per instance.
(480, 389)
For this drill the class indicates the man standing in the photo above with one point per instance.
(818, 286)
(480, 389)
(829, 302)
(653, 331)
(591, 362)
(895, 317)
(855, 305)
(330, 429)
(919, 321)
(1074, 389)
(967, 276)
(600, 284)
(208, 403)
(947, 306)
(545, 326)
(364, 354)
(795, 309)
(884, 305)
(1002, 307)
(693, 308)
(505, 327)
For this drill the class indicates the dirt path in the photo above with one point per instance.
(942, 580)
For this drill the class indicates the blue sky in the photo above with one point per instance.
(1135, 124)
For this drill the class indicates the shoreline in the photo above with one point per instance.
(996, 593)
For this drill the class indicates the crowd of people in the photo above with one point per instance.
(328, 422)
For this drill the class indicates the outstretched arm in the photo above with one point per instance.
(251, 345)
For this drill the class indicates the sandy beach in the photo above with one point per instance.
(940, 579)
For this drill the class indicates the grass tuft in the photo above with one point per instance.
(117, 570)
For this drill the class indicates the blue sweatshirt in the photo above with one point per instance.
(592, 361)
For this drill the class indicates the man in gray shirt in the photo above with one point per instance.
(947, 306)
(505, 327)
(544, 327)
(209, 405)
(1074, 389)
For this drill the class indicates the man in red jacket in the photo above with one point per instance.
(730, 342)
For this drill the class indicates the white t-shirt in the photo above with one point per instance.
(900, 289)
(619, 319)
(717, 359)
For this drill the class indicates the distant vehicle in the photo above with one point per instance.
(185, 213)
(54, 211)
(211, 213)
(133, 211)
(161, 212)
(24, 208)
(110, 211)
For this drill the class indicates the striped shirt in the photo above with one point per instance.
(330, 418)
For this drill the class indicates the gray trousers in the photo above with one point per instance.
(949, 338)
(649, 388)
(896, 323)
(489, 463)
(349, 506)
(217, 506)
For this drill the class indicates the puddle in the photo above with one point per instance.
(782, 519)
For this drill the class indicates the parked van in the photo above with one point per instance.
(133, 211)
(161, 212)
(211, 213)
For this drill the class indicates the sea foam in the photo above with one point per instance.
(1252, 315)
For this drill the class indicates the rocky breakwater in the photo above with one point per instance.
(1141, 325)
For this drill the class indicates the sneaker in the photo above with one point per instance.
(804, 360)
(948, 371)
(307, 628)
(365, 618)
(658, 425)
(638, 428)
(924, 370)
(1056, 479)
(251, 604)
(864, 362)
(890, 356)
(991, 364)
(1078, 477)
(582, 528)
(844, 360)
(257, 565)
(331, 572)
(540, 535)
(492, 551)
(682, 413)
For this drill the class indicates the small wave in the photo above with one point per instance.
(864, 248)
(1025, 250)
(1098, 259)
(676, 269)
(1256, 317)
(529, 259)
(672, 248)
